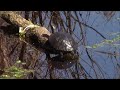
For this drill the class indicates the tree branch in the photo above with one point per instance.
(35, 36)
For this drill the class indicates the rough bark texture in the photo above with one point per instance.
(11, 48)
(15, 19)
(41, 33)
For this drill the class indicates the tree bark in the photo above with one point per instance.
(37, 36)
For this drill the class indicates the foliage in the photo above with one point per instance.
(15, 72)
(111, 42)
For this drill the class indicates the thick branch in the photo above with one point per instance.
(14, 19)
(37, 36)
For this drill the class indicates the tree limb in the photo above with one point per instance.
(35, 36)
